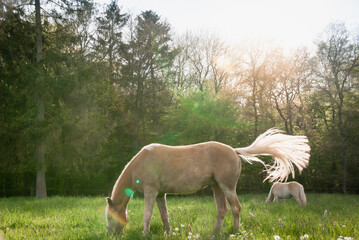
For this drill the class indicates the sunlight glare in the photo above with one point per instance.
(223, 63)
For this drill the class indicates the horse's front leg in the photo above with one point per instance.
(270, 197)
(150, 198)
(162, 207)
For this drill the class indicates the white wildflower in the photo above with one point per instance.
(304, 236)
(348, 238)
(189, 237)
(197, 235)
(190, 233)
(174, 234)
(176, 229)
(182, 225)
(276, 237)
(343, 226)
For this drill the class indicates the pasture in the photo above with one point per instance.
(327, 216)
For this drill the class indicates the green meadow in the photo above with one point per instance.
(327, 216)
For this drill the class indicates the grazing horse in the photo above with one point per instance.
(160, 169)
(287, 190)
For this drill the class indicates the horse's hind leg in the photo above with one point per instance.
(236, 207)
(221, 207)
(162, 207)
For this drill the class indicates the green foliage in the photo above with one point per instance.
(107, 94)
(325, 217)
(203, 116)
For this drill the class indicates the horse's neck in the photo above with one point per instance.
(123, 189)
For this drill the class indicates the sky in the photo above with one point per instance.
(290, 23)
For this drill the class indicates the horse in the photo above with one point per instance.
(157, 170)
(287, 190)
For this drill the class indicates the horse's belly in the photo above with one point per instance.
(282, 193)
(184, 184)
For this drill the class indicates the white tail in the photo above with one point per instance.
(286, 150)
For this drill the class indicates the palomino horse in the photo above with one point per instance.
(287, 190)
(159, 169)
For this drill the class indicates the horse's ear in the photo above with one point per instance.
(109, 201)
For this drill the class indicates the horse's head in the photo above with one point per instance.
(116, 218)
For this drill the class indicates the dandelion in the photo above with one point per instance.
(276, 237)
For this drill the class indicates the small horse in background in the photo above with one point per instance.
(287, 190)
(159, 169)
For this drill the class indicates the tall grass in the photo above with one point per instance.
(326, 216)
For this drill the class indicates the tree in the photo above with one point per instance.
(109, 37)
(146, 55)
(338, 57)
(254, 82)
(289, 76)
(17, 120)
(40, 149)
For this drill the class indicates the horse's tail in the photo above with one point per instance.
(285, 149)
(302, 196)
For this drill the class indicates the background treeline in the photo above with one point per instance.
(84, 87)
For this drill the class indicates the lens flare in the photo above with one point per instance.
(129, 192)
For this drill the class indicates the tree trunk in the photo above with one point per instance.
(344, 171)
(254, 96)
(40, 148)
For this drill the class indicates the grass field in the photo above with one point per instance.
(326, 216)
